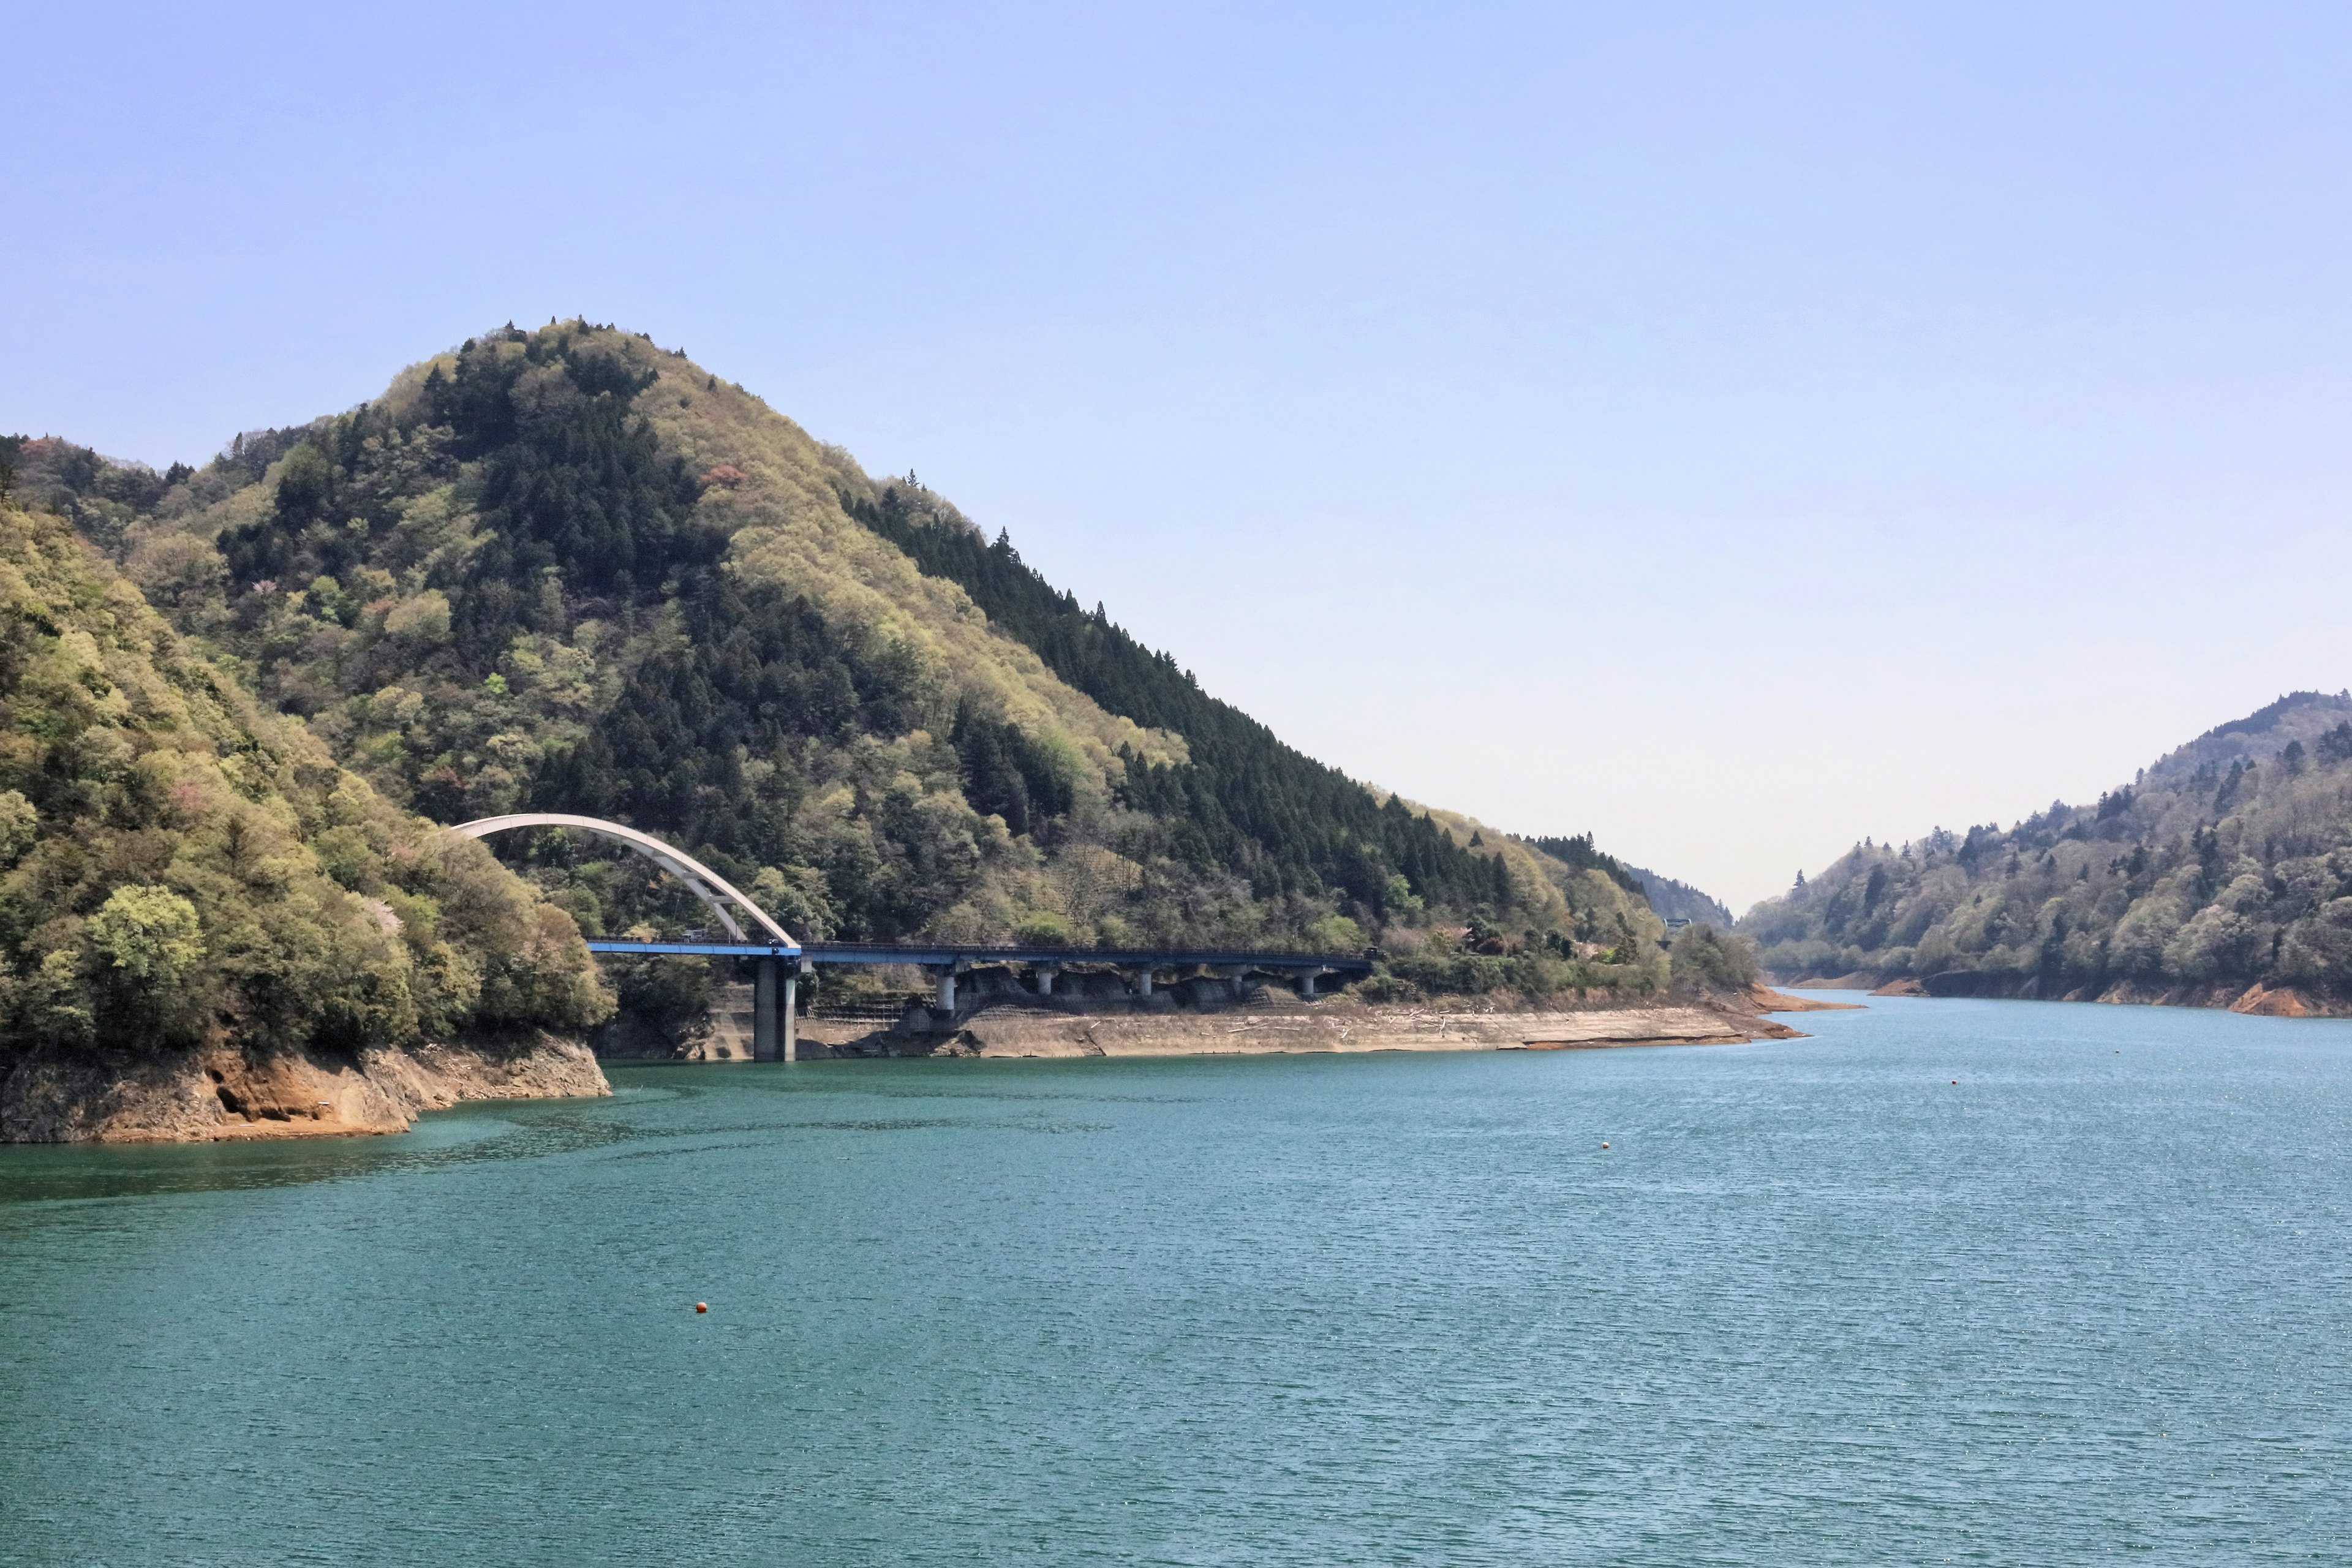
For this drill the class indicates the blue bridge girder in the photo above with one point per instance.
(696, 948)
(940, 956)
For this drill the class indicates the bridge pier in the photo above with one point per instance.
(765, 1046)
(1305, 978)
(1138, 983)
(792, 1012)
(1045, 974)
(775, 1010)
(947, 990)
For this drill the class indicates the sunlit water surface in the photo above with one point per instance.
(1815, 1303)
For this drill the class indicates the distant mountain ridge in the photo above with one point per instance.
(2222, 876)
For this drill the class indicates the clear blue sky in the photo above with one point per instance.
(1731, 429)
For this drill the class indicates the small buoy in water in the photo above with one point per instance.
(702, 1306)
(1956, 1083)
(1604, 1145)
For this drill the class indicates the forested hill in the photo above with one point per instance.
(178, 867)
(1680, 900)
(567, 570)
(2225, 866)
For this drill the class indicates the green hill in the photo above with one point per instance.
(567, 570)
(179, 868)
(2225, 866)
(1680, 900)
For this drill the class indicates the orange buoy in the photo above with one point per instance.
(1604, 1145)
(702, 1306)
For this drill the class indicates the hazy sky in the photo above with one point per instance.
(1731, 429)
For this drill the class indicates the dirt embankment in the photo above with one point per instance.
(1336, 1024)
(222, 1094)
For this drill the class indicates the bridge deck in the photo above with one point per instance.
(948, 956)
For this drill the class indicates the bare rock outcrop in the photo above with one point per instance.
(2277, 1002)
(197, 1097)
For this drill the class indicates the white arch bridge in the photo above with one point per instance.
(778, 961)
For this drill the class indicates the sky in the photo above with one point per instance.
(1731, 430)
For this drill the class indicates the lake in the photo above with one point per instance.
(1815, 1304)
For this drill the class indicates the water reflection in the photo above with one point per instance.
(58, 1173)
(649, 1102)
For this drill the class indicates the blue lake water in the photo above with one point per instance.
(1816, 1303)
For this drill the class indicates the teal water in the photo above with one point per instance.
(1815, 1304)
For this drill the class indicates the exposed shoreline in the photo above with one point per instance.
(2258, 1000)
(224, 1096)
(1337, 1026)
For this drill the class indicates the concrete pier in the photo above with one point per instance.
(792, 1012)
(765, 1045)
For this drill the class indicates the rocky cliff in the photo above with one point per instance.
(60, 1096)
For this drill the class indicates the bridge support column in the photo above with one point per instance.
(946, 1003)
(1236, 975)
(1138, 983)
(1045, 974)
(1305, 978)
(792, 1012)
(765, 1045)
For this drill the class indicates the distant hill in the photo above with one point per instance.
(2222, 875)
(565, 569)
(2300, 718)
(1680, 900)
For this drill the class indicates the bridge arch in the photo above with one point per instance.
(706, 884)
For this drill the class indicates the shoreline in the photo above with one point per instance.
(223, 1096)
(2261, 999)
(1339, 1025)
